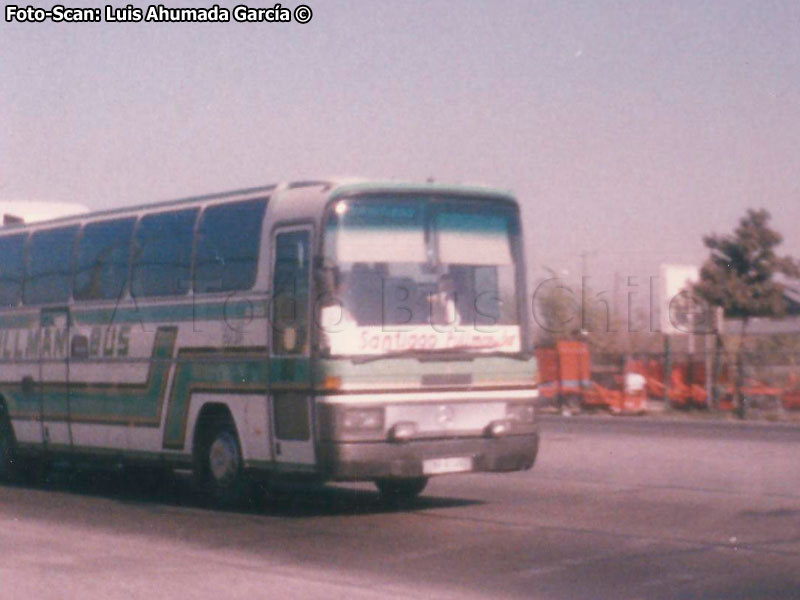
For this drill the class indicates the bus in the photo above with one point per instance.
(324, 330)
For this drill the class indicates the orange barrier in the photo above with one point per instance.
(752, 388)
(791, 399)
(565, 371)
(549, 378)
(618, 402)
(682, 392)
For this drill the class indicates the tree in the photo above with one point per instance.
(556, 312)
(562, 312)
(740, 276)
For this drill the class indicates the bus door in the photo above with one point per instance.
(54, 351)
(289, 370)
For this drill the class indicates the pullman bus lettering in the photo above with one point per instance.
(52, 342)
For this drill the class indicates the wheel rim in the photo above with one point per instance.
(223, 458)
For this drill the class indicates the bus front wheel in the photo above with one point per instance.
(219, 468)
(401, 489)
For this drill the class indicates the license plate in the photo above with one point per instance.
(456, 464)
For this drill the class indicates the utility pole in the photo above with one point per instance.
(584, 284)
(584, 255)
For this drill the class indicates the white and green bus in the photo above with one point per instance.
(336, 331)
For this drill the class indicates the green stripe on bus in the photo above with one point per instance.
(209, 372)
(231, 309)
(290, 371)
(112, 403)
(240, 371)
(19, 321)
(213, 373)
(187, 311)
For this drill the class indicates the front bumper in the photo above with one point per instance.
(359, 461)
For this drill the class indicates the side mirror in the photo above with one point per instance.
(79, 347)
(327, 276)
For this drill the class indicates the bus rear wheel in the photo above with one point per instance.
(8, 447)
(401, 489)
(219, 468)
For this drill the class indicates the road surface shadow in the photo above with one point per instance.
(779, 513)
(295, 500)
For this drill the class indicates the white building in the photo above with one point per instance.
(31, 211)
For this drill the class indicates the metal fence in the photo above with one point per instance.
(767, 379)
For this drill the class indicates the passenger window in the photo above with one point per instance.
(162, 255)
(12, 254)
(228, 241)
(48, 268)
(103, 256)
(290, 292)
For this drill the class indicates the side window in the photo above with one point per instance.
(228, 240)
(102, 258)
(290, 281)
(162, 254)
(48, 268)
(12, 255)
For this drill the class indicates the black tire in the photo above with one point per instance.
(219, 466)
(401, 489)
(8, 450)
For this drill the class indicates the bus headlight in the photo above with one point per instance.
(497, 428)
(362, 419)
(521, 412)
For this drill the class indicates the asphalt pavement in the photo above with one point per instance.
(614, 508)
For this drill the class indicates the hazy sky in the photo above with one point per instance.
(627, 129)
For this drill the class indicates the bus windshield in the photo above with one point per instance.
(403, 274)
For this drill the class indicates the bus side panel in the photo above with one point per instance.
(121, 384)
(27, 431)
(23, 408)
(20, 344)
(250, 417)
(223, 357)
